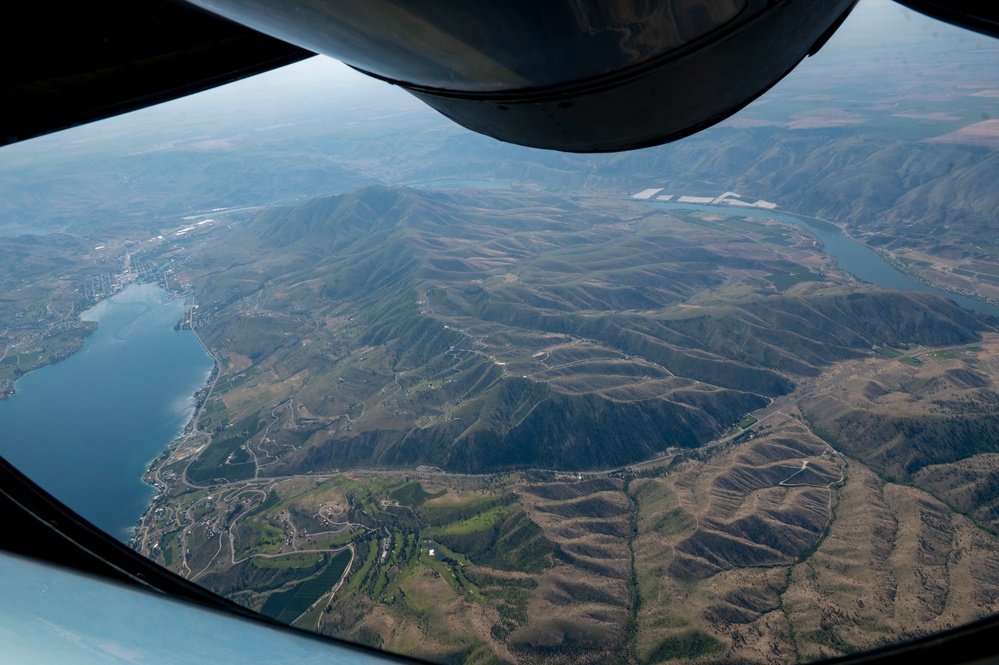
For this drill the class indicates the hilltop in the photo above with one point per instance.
(481, 331)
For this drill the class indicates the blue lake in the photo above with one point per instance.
(854, 257)
(85, 428)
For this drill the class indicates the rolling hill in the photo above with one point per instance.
(492, 331)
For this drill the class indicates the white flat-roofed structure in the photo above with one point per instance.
(726, 198)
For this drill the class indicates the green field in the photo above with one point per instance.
(226, 457)
(952, 354)
(467, 508)
(50, 350)
(783, 282)
(474, 524)
(412, 494)
(287, 562)
(269, 502)
(286, 606)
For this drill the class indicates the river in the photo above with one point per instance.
(86, 428)
(854, 257)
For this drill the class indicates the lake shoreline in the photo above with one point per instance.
(189, 432)
(108, 432)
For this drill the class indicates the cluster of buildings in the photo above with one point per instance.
(728, 198)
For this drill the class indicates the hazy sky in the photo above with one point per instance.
(898, 41)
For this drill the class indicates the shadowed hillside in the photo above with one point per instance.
(490, 331)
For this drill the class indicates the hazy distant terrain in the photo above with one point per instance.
(888, 130)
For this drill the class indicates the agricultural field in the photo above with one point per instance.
(47, 351)
(449, 567)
